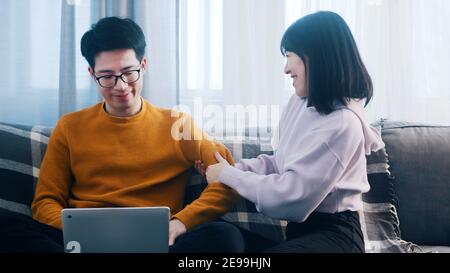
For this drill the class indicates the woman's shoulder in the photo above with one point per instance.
(340, 123)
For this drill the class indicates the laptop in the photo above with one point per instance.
(116, 230)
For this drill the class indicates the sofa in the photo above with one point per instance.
(406, 210)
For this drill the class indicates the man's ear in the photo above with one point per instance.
(144, 64)
(91, 72)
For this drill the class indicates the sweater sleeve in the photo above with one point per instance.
(54, 181)
(217, 198)
(307, 178)
(263, 164)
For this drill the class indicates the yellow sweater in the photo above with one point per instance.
(97, 160)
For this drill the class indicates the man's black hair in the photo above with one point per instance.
(112, 33)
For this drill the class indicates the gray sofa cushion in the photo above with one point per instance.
(419, 158)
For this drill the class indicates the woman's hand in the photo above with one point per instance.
(213, 172)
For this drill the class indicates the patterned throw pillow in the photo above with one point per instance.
(244, 214)
(379, 220)
(22, 149)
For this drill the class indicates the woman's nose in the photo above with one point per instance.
(286, 69)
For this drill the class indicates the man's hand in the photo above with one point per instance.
(176, 228)
(200, 167)
(213, 172)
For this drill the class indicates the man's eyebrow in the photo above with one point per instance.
(128, 67)
(104, 71)
(111, 71)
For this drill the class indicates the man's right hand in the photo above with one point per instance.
(176, 228)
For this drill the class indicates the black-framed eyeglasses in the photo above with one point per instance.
(109, 81)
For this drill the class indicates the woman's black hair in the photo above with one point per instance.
(334, 69)
(112, 33)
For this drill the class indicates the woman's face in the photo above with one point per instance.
(296, 68)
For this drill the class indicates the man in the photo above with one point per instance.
(123, 153)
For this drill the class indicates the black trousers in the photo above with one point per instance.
(320, 233)
(20, 233)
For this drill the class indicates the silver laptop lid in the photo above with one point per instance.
(116, 230)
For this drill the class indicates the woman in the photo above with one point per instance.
(317, 174)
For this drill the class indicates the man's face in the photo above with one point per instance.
(122, 98)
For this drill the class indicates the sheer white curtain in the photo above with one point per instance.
(230, 57)
(253, 70)
(405, 45)
(43, 74)
(224, 52)
(30, 44)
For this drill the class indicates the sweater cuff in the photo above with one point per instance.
(240, 181)
(239, 166)
(187, 218)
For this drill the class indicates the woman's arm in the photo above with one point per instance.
(307, 177)
(263, 164)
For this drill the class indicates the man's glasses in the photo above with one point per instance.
(109, 81)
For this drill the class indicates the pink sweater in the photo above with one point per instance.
(319, 163)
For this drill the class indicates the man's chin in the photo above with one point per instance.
(125, 106)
